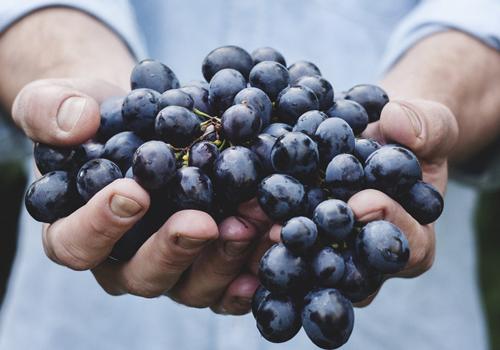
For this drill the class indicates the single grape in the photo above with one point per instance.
(334, 136)
(224, 86)
(301, 69)
(152, 74)
(177, 126)
(258, 100)
(423, 201)
(335, 219)
(283, 272)
(241, 123)
(51, 197)
(90, 150)
(278, 318)
(328, 267)
(203, 155)
(192, 189)
(153, 164)
(309, 121)
(94, 175)
(327, 318)
(281, 196)
(111, 118)
(277, 129)
(199, 96)
(321, 88)
(51, 158)
(314, 196)
(120, 149)
(344, 176)
(198, 83)
(139, 111)
(226, 57)
(299, 235)
(271, 77)
(352, 112)
(267, 54)
(262, 147)
(363, 148)
(176, 97)
(381, 246)
(371, 97)
(260, 293)
(294, 101)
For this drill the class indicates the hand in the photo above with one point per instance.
(189, 258)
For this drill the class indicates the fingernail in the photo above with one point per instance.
(124, 207)
(235, 249)
(371, 216)
(190, 243)
(70, 112)
(413, 118)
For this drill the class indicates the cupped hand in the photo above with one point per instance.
(190, 258)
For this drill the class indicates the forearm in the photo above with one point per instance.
(59, 43)
(462, 73)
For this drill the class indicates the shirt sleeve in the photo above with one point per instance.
(118, 15)
(480, 19)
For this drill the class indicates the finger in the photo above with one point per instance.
(252, 212)
(237, 299)
(264, 243)
(163, 258)
(370, 205)
(218, 265)
(428, 128)
(85, 238)
(61, 111)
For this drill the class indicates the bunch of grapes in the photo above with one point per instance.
(255, 128)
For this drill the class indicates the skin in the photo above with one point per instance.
(436, 91)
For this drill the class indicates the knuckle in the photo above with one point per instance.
(142, 288)
(73, 258)
(183, 296)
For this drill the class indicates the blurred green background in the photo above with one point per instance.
(14, 151)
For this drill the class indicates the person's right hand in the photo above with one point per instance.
(189, 258)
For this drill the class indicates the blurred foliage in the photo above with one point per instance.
(488, 227)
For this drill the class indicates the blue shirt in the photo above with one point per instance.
(352, 41)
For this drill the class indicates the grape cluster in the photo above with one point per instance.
(254, 128)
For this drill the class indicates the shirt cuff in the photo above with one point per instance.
(117, 15)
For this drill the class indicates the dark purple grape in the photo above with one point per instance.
(392, 170)
(423, 201)
(295, 154)
(278, 318)
(334, 136)
(51, 158)
(281, 196)
(301, 69)
(328, 267)
(237, 173)
(344, 176)
(226, 57)
(321, 88)
(371, 97)
(51, 197)
(294, 101)
(258, 100)
(262, 147)
(241, 123)
(267, 54)
(363, 148)
(120, 149)
(111, 118)
(277, 129)
(90, 150)
(203, 155)
(358, 282)
(94, 175)
(176, 97)
(327, 318)
(314, 196)
(224, 86)
(192, 189)
(139, 111)
(260, 293)
(299, 235)
(152, 74)
(381, 246)
(177, 126)
(309, 121)
(199, 96)
(271, 77)
(334, 219)
(153, 165)
(283, 272)
(352, 112)
(199, 83)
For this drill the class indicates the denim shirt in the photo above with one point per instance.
(352, 41)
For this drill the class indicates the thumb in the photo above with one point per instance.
(428, 128)
(61, 111)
